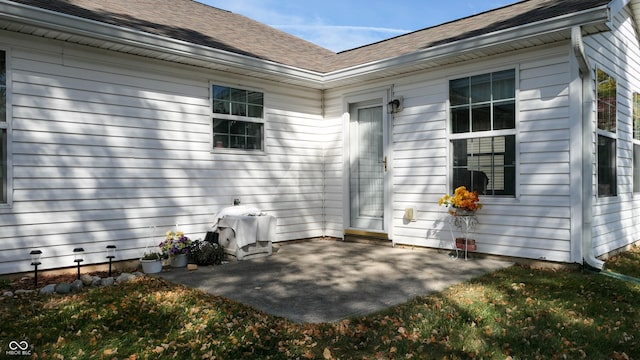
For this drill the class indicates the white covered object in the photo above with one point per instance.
(245, 231)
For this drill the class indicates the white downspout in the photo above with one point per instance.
(587, 153)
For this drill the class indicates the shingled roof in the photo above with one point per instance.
(199, 24)
(511, 16)
(196, 23)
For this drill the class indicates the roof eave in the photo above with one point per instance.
(156, 44)
(599, 16)
(160, 47)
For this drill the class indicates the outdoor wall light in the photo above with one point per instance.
(35, 261)
(77, 258)
(111, 254)
(395, 105)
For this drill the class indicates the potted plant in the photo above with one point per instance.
(176, 245)
(205, 253)
(463, 202)
(462, 207)
(152, 262)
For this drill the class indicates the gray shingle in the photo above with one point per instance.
(204, 25)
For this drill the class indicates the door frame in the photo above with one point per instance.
(381, 96)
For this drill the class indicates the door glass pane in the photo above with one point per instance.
(367, 168)
(369, 165)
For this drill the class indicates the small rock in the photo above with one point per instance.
(7, 294)
(96, 281)
(63, 288)
(108, 281)
(192, 267)
(22, 292)
(49, 289)
(125, 277)
(86, 279)
(77, 285)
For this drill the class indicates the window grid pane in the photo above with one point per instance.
(636, 168)
(237, 134)
(636, 116)
(3, 165)
(483, 102)
(3, 129)
(239, 104)
(486, 165)
(607, 175)
(607, 101)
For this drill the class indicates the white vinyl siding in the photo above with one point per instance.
(535, 224)
(106, 146)
(614, 218)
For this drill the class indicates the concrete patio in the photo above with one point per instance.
(325, 281)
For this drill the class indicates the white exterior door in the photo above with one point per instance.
(368, 164)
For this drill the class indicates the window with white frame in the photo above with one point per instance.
(636, 143)
(3, 129)
(483, 132)
(238, 118)
(606, 95)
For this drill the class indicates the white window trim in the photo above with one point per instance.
(212, 115)
(487, 199)
(606, 133)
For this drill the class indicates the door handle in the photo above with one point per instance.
(385, 164)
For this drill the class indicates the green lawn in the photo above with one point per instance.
(517, 313)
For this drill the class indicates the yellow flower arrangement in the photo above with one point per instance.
(461, 199)
(176, 243)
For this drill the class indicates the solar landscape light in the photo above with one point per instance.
(35, 261)
(77, 258)
(111, 254)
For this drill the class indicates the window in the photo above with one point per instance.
(238, 118)
(606, 166)
(607, 100)
(606, 94)
(3, 128)
(483, 121)
(636, 142)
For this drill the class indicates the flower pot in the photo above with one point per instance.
(463, 212)
(151, 266)
(468, 244)
(179, 260)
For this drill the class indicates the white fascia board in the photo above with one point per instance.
(47, 19)
(588, 17)
(616, 6)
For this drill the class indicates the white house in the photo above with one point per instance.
(116, 116)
